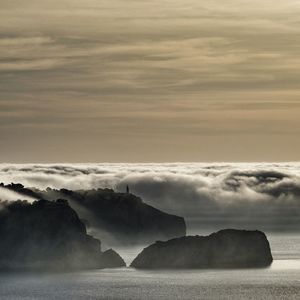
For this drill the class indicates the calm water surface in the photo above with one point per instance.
(280, 281)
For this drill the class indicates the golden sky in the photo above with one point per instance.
(141, 80)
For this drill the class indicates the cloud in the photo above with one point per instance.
(30, 65)
(183, 69)
(11, 196)
(264, 196)
(190, 45)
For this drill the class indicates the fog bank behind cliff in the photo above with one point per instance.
(252, 196)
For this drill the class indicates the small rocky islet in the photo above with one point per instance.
(227, 248)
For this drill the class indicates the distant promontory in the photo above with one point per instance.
(116, 218)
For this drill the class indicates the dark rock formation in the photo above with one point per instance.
(48, 235)
(123, 218)
(111, 259)
(19, 188)
(225, 249)
(115, 218)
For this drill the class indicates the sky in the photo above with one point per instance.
(149, 81)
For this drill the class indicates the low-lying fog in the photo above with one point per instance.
(209, 196)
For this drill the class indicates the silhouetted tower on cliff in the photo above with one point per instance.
(127, 189)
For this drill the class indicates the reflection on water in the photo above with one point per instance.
(286, 264)
(281, 281)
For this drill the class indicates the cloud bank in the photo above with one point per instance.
(263, 196)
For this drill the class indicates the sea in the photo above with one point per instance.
(280, 281)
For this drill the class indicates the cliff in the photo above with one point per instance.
(50, 235)
(124, 218)
(116, 218)
(225, 249)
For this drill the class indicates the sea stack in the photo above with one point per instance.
(227, 248)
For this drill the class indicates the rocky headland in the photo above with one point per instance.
(49, 235)
(115, 218)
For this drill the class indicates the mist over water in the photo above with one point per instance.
(280, 281)
(210, 196)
